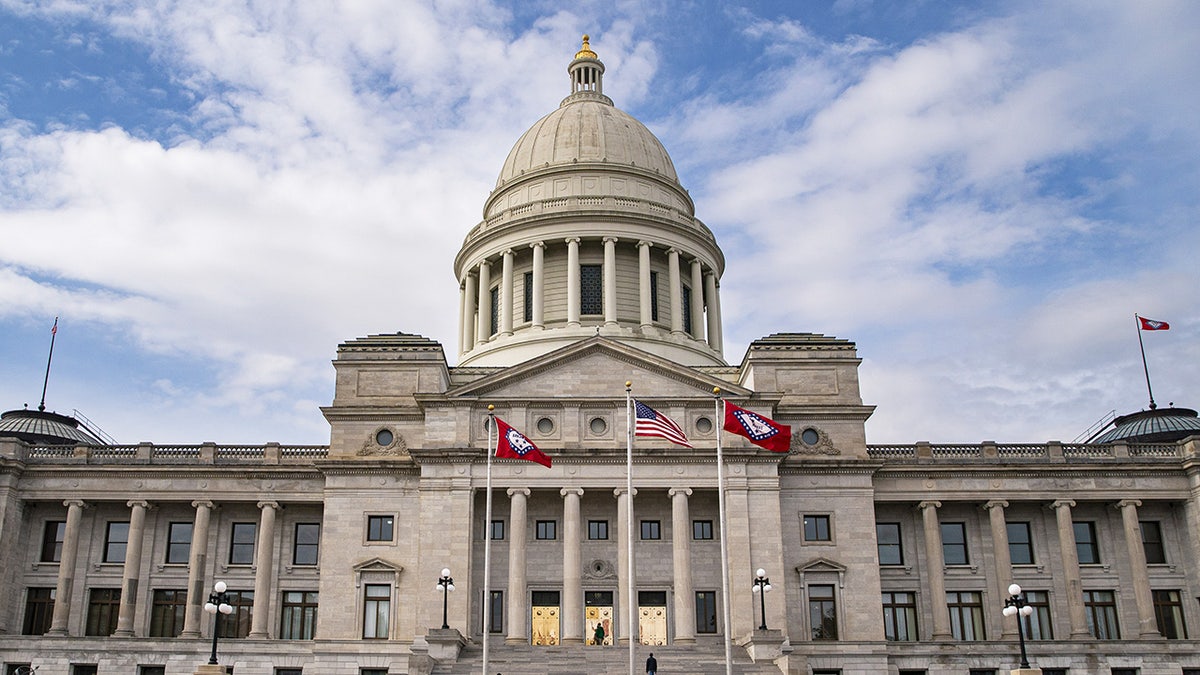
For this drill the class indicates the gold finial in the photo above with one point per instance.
(716, 391)
(491, 407)
(628, 383)
(585, 52)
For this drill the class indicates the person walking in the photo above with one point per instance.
(651, 665)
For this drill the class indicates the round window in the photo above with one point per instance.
(810, 436)
(384, 437)
(704, 425)
(545, 425)
(598, 425)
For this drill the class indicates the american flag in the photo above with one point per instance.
(650, 422)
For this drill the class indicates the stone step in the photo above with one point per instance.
(530, 660)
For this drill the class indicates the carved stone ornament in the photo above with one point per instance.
(372, 446)
(600, 569)
(823, 446)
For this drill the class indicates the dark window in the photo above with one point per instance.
(913, 672)
(84, 669)
(299, 617)
(654, 296)
(1020, 544)
(706, 611)
(1085, 543)
(597, 529)
(816, 528)
(495, 320)
(12, 668)
(1124, 671)
(1037, 625)
(591, 289)
(546, 529)
(1168, 612)
(379, 528)
(900, 616)
(966, 615)
(179, 543)
(237, 624)
(1101, 609)
(306, 549)
(115, 541)
(289, 671)
(166, 613)
(982, 671)
(496, 613)
(152, 670)
(1152, 542)
(39, 611)
(104, 604)
(1063, 671)
(241, 548)
(377, 610)
(651, 529)
(372, 671)
(52, 540)
(686, 308)
(497, 530)
(954, 544)
(528, 313)
(887, 536)
(822, 613)
(702, 529)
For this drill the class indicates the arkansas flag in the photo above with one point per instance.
(761, 431)
(1151, 324)
(512, 444)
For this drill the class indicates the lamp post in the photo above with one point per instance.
(762, 586)
(445, 585)
(218, 604)
(1016, 606)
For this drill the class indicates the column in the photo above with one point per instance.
(625, 586)
(539, 281)
(462, 312)
(645, 302)
(66, 569)
(506, 293)
(714, 318)
(995, 510)
(936, 569)
(264, 571)
(518, 610)
(132, 569)
(468, 317)
(697, 301)
(572, 602)
(676, 290)
(573, 281)
(610, 281)
(681, 559)
(197, 557)
(1070, 557)
(484, 328)
(1147, 624)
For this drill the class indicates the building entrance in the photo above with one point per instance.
(544, 615)
(598, 611)
(652, 617)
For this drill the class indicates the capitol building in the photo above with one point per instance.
(590, 268)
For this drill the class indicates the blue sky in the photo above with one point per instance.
(980, 195)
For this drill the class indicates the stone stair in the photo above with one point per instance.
(698, 659)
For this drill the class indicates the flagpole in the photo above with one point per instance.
(1137, 320)
(487, 540)
(45, 382)
(629, 516)
(718, 412)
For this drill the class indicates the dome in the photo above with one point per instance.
(1152, 426)
(35, 426)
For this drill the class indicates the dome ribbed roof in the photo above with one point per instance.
(1153, 426)
(34, 426)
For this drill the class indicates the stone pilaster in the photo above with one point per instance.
(517, 593)
(1147, 624)
(264, 572)
(681, 558)
(506, 293)
(197, 558)
(539, 284)
(573, 281)
(936, 572)
(572, 599)
(132, 568)
(610, 281)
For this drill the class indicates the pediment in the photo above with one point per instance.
(378, 565)
(820, 564)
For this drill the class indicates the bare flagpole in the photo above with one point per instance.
(487, 539)
(629, 518)
(1137, 320)
(54, 332)
(719, 413)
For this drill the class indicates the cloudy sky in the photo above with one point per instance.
(211, 196)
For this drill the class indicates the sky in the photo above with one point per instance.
(212, 196)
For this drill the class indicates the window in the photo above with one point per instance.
(816, 528)
(651, 529)
(103, 607)
(1037, 625)
(241, 547)
(39, 611)
(982, 671)
(528, 312)
(152, 670)
(887, 537)
(373, 671)
(289, 671)
(1063, 671)
(115, 541)
(1152, 542)
(654, 296)
(298, 620)
(179, 543)
(685, 306)
(377, 609)
(966, 614)
(52, 540)
(954, 544)
(1020, 544)
(1168, 612)
(496, 612)
(900, 616)
(1101, 609)
(166, 613)
(12, 668)
(1124, 671)
(307, 547)
(495, 319)
(702, 529)
(1085, 543)
(547, 530)
(597, 529)
(497, 530)
(706, 612)
(237, 624)
(380, 528)
(83, 669)
(822, 612)
(591, 289)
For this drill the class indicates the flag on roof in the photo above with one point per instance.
(1151, 324)
(761, 431)
(650, 422)
(513, 444)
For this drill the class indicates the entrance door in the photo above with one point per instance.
(544, 618)
(598, 611)
(652, 617)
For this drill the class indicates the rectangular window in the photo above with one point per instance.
(39, 610)
(380, 528)
(654, 296)
(816, 528)
(1101, 609)
(152, 670)
(377, 609)
(822, 612)
(237, 624)
(1168, 613)
(981, 671)
(12, 668)
(372, 671)
(289, 671)
(686, 307)
(298, 620)
(497, 530)
(954, 544)
(900, 616)
(1085, 543)
(104, 604)
(496, 613)
(1124, 671)
(1020, 543)
(52, 540)
(528, 312)
(702, 530)
(547, 530)
(591, 289)
(241, 547)
(179, 543)
(495, 319)
(966, 615)
(1063, 671)
(84, 669)
(651, 529)
(166, 613)
(597, 529)
(887, 537)
(1037, 625)
(306, 549)
(115, 540)
(1152, 542)
(706, 612)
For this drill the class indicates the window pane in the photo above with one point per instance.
(1085, 543)
(702, 529)
(1037, 625)
(1152, 543)
(706, 611)
(241, 550)
(954, 543)
(591, 293)
(299, 615)
(900, 616)
(237, 624)
(528, 297)
(966, 615)
(179, 543)
(888, 537)
(376, 611)
(1101, 610)
(822, 613)
(115, 542)
(380, 528)
(816, 528)
(497, 530)
(166, 613)
(52, 540)
(651, 529)
(597, 529)
(103, 607)
(1020, 545)
(496, 613)
(39, 610)
(1168, 612)
(546, 530)
(306, 550)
